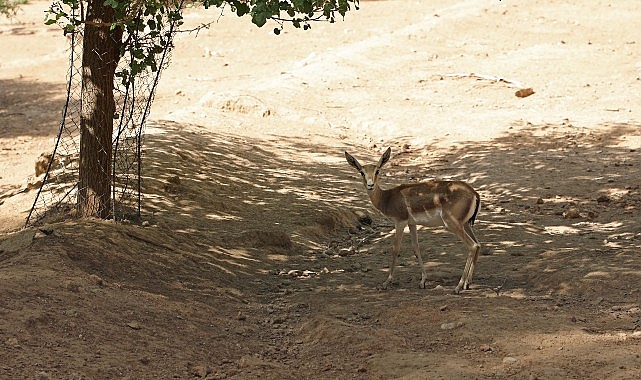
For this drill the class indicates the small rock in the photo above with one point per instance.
(603, 199)
(42, 163)
(12, 342)
(509, 360)
(571, 213)
(539, 201)
(486, 348)
(201, 371)
(134, 325)
(524, 92)
(42, 375)
(451, 325)
(278, 321)
(34, 185)
(97, 280)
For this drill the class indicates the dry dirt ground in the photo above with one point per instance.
(253, 262)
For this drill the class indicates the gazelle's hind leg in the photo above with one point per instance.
(396, 247)
(417, 253)
(466, 235)
(474, 255)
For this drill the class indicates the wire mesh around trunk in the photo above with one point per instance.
(57, 196)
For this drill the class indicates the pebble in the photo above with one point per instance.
(134, 325)
(12, 342)
(451, 325)
(571, 213)
(509, 360)
(486, 348)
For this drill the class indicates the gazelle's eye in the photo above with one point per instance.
(378, 171)
(362, 174)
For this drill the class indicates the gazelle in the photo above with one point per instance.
(452, 204)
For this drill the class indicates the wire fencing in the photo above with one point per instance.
(57, 197)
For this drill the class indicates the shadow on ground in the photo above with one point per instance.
(555, 198)
(260, 258)
(25, 106)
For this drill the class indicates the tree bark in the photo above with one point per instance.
(100, 55)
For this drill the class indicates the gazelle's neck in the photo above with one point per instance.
(376, 197)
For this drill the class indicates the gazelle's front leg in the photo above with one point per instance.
(396, 247)
(417, 253)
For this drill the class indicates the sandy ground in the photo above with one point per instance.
(253, 261)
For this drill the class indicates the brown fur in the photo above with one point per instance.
(452, 204)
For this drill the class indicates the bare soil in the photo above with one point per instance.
(260, 255)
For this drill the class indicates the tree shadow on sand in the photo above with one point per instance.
(26, 108)
(562, 202)
(558, 209)
(260, 252)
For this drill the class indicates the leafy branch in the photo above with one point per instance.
(10, 7)
(144, 21)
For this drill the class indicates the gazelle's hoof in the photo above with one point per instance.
(460, 287)
(422, 284)
(386, 285)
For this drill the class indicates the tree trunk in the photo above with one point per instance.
(100, 55)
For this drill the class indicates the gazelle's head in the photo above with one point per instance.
(369, 172)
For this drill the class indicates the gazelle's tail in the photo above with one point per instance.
(476, 211)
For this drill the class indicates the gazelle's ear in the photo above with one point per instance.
(385, 157)
(352, 161)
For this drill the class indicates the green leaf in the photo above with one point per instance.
(139, 54)
(112, 3)
(259, 19)
(242, 9)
